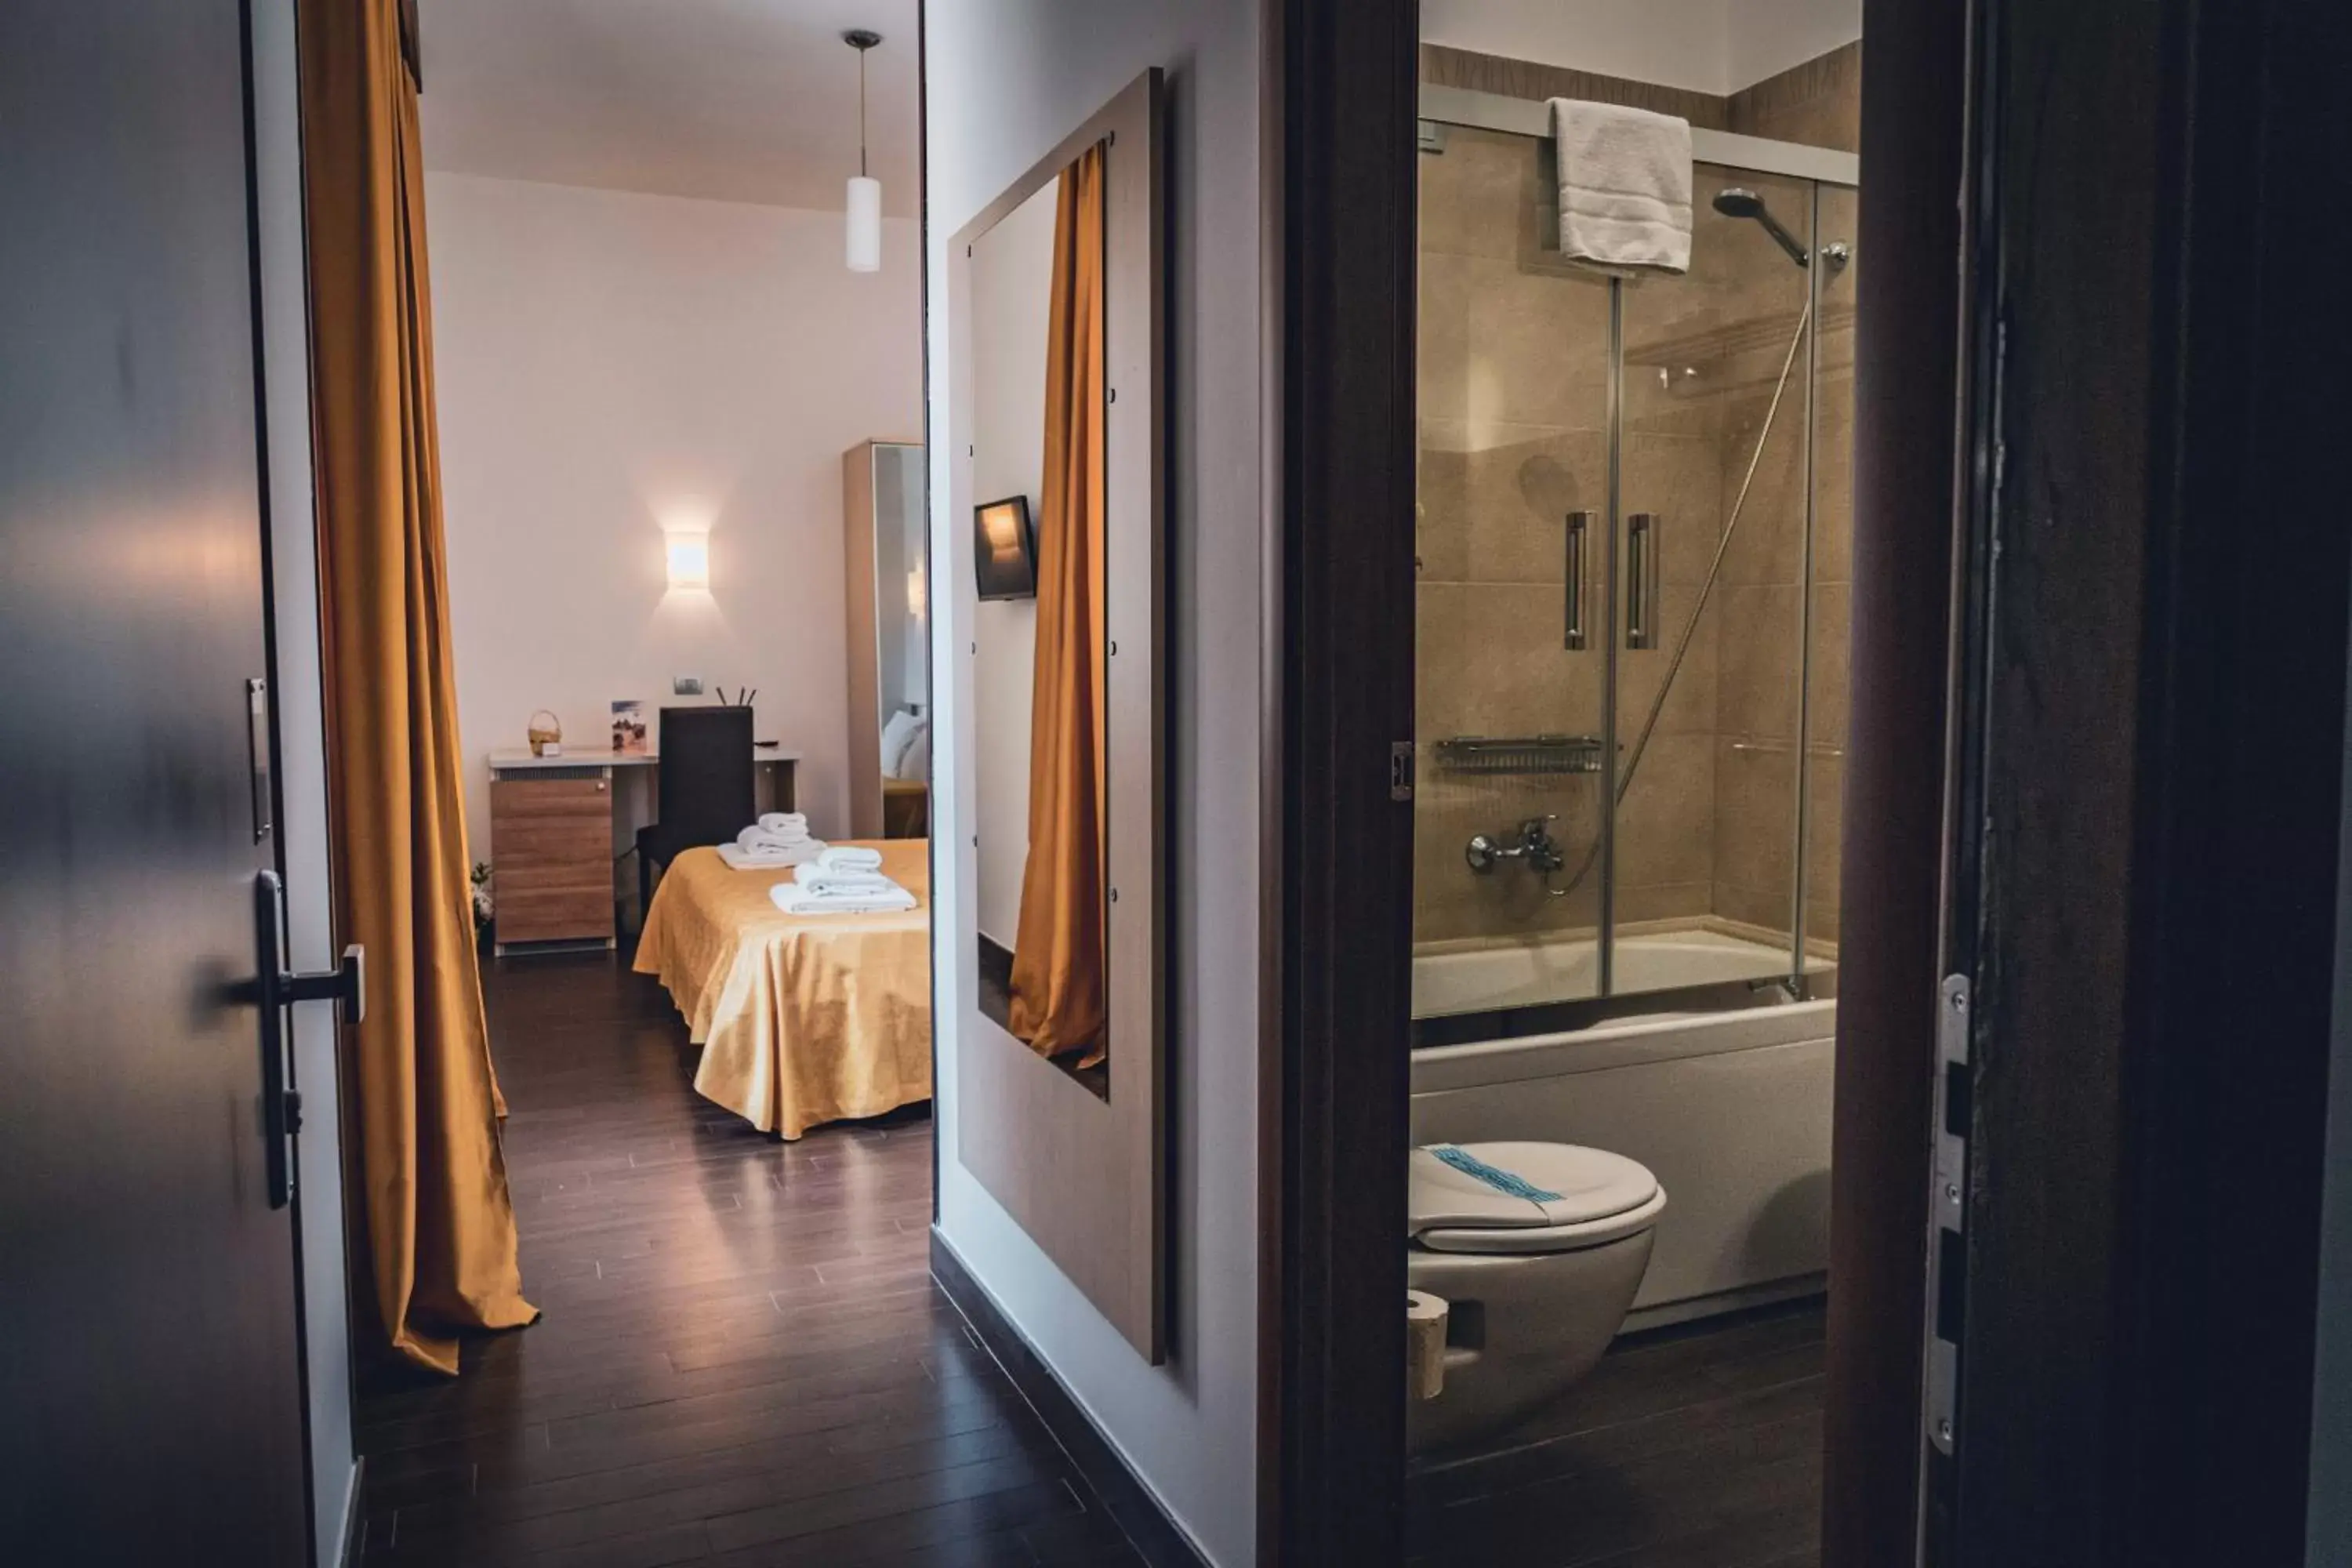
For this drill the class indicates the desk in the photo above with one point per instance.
(560, 826)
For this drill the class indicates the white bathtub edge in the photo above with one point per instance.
(1625, 1043)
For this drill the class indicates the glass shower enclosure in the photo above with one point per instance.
(1634, 535)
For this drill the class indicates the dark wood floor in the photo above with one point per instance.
(1693, 1448)
(743, 1358)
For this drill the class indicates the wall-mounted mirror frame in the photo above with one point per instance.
(1083, 1173)
(884, 512)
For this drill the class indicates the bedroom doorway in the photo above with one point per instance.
(671, 380)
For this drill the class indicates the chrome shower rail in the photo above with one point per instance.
(1532, 117)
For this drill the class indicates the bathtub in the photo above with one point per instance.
(1479, 978)
(1730, 1109)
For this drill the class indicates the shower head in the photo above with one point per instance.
(1738, 201)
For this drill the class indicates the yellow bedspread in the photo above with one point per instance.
(801, 1020)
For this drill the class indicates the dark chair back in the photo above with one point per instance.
(706, 777)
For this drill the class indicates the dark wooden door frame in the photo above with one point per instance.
(1333, 1124)
(2151, 798)
(1906, 368)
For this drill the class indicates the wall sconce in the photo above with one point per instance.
(919, 598)
(689, 560)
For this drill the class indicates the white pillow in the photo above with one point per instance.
(901, 729)
(914, 761)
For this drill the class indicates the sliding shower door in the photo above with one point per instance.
(1512, 538)
(1634, 525)
(1709, 655)
(1828, 657)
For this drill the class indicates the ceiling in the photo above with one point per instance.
(741, 101)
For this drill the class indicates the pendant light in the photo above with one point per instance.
(865, 251)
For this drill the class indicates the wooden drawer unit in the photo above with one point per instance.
(551, 850)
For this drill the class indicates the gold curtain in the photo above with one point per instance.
(1057, 990)
(435, 1218)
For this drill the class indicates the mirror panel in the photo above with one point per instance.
(883, 515)
(1037, 727)
(1056, 516)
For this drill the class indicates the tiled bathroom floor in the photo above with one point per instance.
(1691, 1447)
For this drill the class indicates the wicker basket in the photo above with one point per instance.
(546, 738)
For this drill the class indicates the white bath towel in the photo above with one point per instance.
(1625, 185)
(776, 831)
(795, 900)
(819, 879)
(851, 857)
(770, 859)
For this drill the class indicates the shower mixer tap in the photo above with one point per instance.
(1537, 847)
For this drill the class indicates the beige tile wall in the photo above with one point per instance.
(1512, 438)
(1818, 103)
(1442, 65)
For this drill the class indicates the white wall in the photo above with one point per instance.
(1674, 43)
(1012, 300)
(1711, 45)
(1007, 79)
(611, 362)
(1764, 37)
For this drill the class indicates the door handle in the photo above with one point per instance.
(1642, 580)
(1579, 526)
(275, 988)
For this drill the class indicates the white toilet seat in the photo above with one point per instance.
(1583, 1197)
(1524, 1239)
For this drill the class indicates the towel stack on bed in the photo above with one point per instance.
(845, 880)
(778, 839)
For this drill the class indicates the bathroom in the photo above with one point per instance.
(1634, 547)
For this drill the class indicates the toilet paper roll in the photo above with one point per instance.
(1424, 1326)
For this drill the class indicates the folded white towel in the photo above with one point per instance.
(851, 857)
(818, 878)
(770, 858)
(784, 821)
(1625, 185)
(795, 900)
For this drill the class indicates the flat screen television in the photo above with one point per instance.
(1005, 548)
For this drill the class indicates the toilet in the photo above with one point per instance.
(1537, 1248)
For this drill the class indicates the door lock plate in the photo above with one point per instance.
(1946, 1249)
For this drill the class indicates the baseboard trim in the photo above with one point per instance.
(1746, 1299)
(354, 1514)
(1130, 1504)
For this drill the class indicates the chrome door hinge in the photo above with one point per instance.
(1947, 1239)
(1401, 769)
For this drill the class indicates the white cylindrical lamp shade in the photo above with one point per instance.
(864, 224)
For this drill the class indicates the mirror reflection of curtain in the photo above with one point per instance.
(1058, 1002)
(437, 1229)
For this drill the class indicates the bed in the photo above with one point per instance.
(802, 1019)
